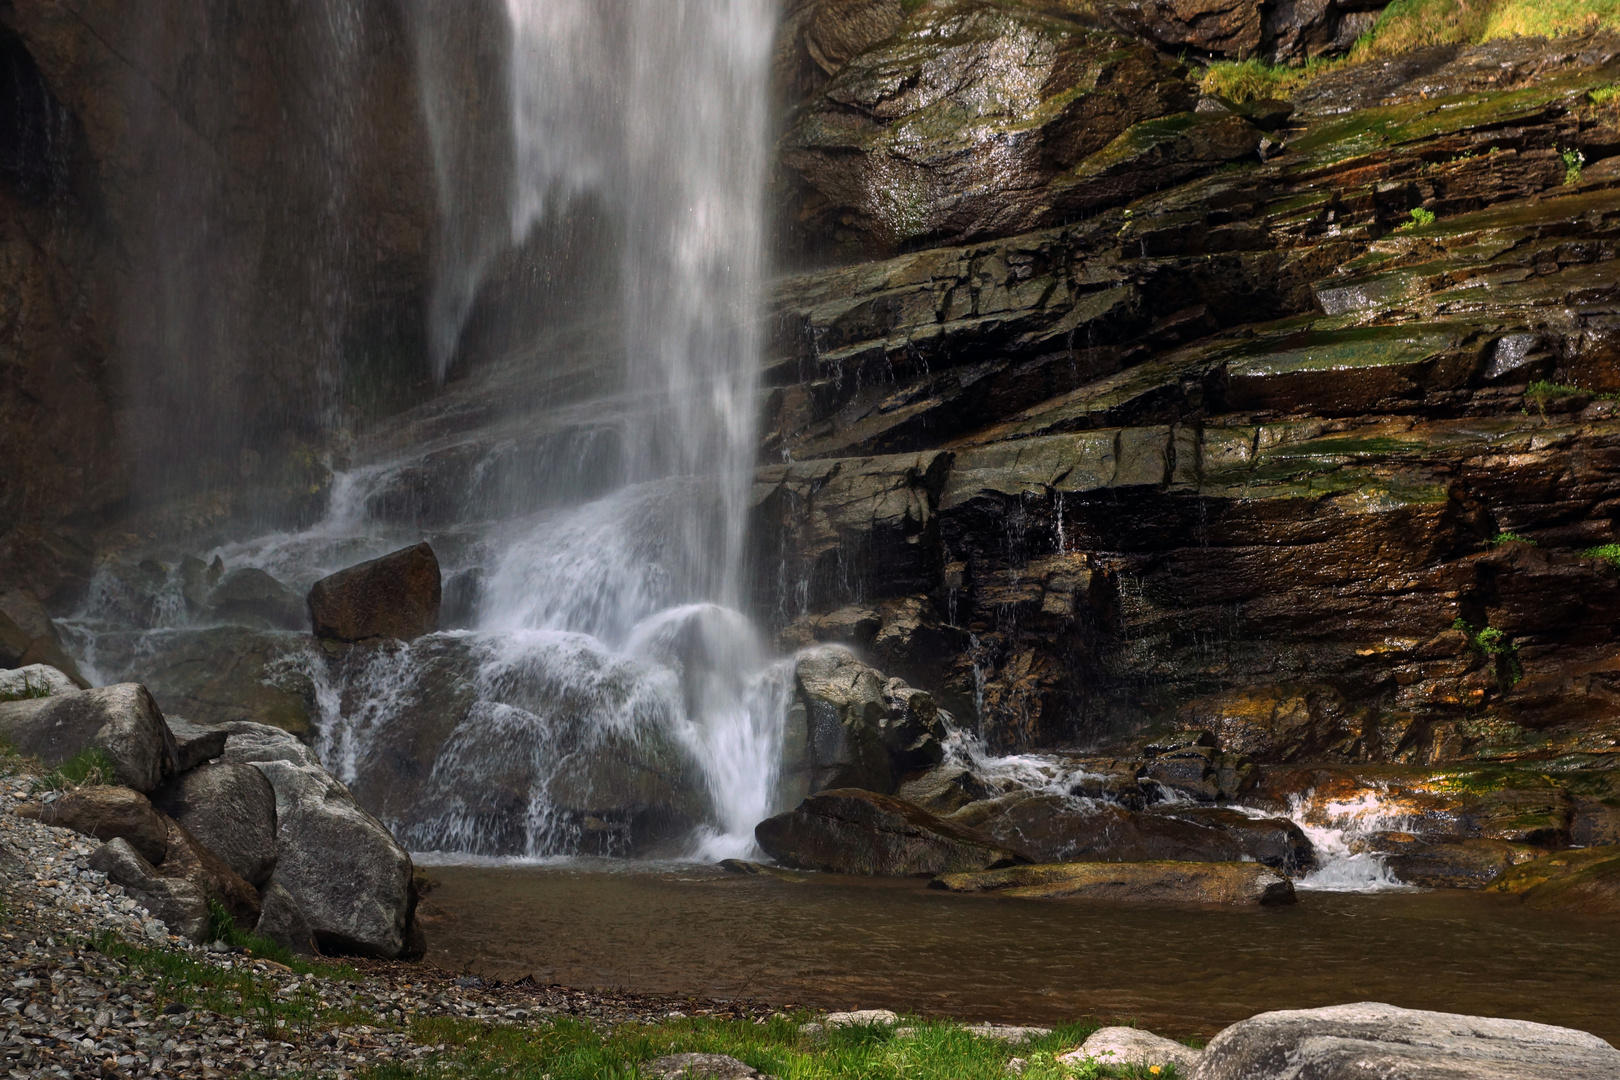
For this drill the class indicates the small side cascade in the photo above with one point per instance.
(1334, 826)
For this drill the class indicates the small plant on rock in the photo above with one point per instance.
(29, 691)
(1507, 537)
(1609, 553)
(1605, 95)
(87, 768)
(1493, 643)
(1420, 218)
(1574, 162)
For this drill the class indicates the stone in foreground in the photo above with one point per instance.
(1125, 1046)
(179, 903)
(1157, 882)
(122, 721)
(850, 831)
(396, 596)
(1352, 1042)
(349, 876)
(107, 813)
(700, 1067)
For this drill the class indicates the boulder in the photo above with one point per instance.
(282, 921)
(188, 859)
(1117, 1047)
(849, 831)
(231, 809)
(1369, 1039)
(1228, 27)
(121, 721)
(1458, 863)
(841, 29)
(699, 1067)
(253, 598)
(396, 596)
(943, 790)
(34, 681)
(1585, 881)
(195, 743)
(13, 643)
(1155, 882)
(345, 870)
(179, 903)
(850, 726)
(1274, 841)
(107, 813)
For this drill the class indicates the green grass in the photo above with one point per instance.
(221, 927)
(1609, 553)
(568, 1050)
(1605, 95)
(1506, 537)
(231, 992)
(1406, 25)
(1243, 81)
(89, 766)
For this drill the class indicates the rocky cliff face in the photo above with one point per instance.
(1245, 440)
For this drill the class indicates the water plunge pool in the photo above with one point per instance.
(835, 942)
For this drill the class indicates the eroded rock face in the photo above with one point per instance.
(1347, 1041)
(349, 877)
(121, 721)
(1155, 882)
(847, 831)
(953, 127)
(396, 596)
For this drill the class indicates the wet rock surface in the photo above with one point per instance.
(1134, 882)
(849, 831)
(122, 722)
(1351, 1040)
(396, 596)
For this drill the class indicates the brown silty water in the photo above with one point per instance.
(834, 942)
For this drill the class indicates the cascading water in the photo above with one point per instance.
(614, 622)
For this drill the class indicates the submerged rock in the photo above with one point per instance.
(1585, 881)
(396, 596)
(1369, 1039)
(848, 831)
(1155, 882)
(123, 722)
(1127, 1046)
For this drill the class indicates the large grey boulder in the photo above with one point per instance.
(122, 721)
(396, 596)
(1352, 1042)
(231, 810)
(196, 743)
(348, 875)
(179, 903)
(850, 831)
(107, 813)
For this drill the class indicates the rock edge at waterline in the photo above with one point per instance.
(1155, 882)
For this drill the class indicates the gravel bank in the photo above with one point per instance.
(72, 1010)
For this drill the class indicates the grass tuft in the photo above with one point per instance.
(1609, 553)
(1574, 162)
(1506, 537)
(89, 767)
(1420, 218)
(29, 691)
(1493, 642)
